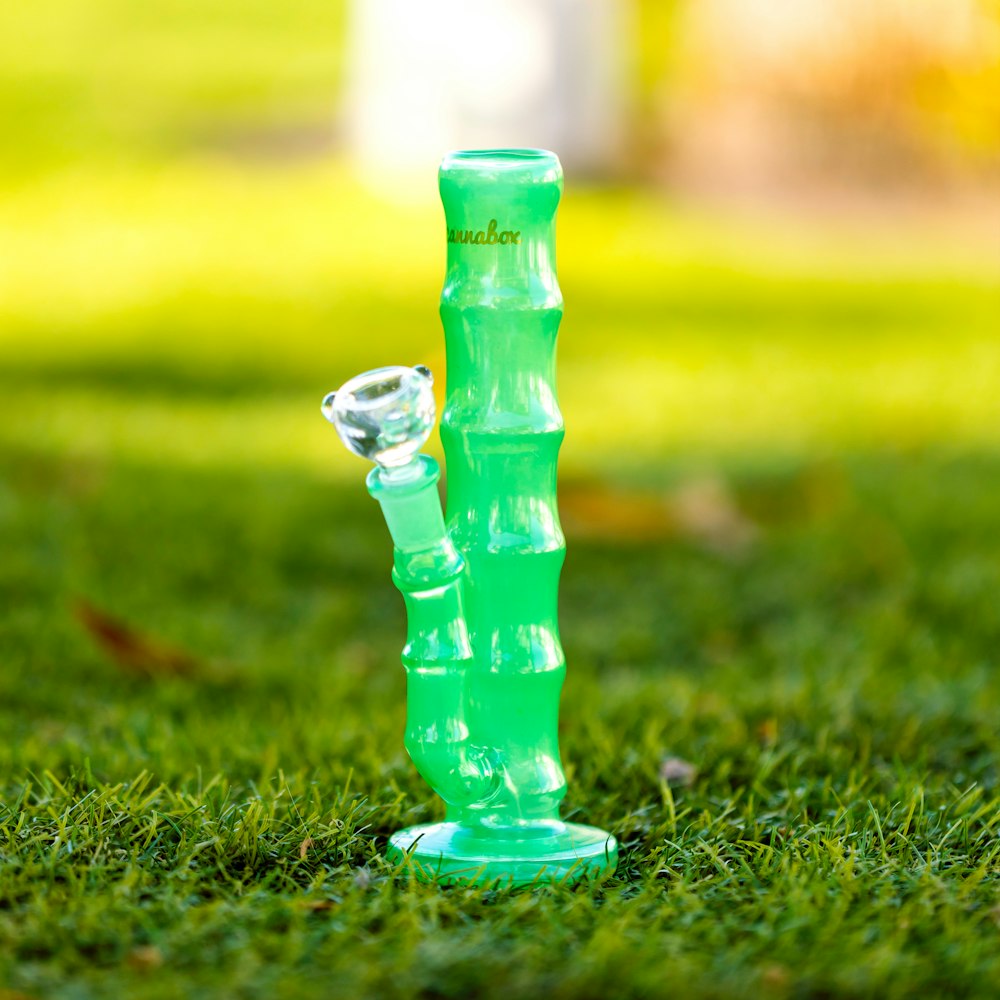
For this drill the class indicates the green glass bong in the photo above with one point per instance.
(483, 659)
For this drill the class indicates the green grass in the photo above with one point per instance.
(835, 686)
(781, 488)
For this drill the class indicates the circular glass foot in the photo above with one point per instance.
(546, 851)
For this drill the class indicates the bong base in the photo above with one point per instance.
(546, 851)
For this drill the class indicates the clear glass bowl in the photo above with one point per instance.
(384, 415)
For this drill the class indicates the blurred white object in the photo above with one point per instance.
(427, 76)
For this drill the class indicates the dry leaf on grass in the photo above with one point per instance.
(145, 957)
(703, 510)
(767, 732)
(596, 510)
(775, 976)
(304, 847)
(319, 905)
(130, 649)
(706, 510)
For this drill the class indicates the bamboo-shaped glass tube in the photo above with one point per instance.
(501, 428)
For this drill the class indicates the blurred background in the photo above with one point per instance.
(780, 229)
(779, 249)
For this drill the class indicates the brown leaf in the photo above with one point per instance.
(318, 905)
(767, 732)
(706, 510)
(304, 847)
(675, 771)
(145, 957)
(132, 650)
(703, 510)
(596, 510)
(775, 976)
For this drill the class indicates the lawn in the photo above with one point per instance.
(781, 493)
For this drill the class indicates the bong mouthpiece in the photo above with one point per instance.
(384, 415)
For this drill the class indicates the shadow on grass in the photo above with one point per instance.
(872, 576)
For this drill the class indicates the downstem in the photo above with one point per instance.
(430, 573)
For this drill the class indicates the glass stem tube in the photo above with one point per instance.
(502, 429)
(430, 574)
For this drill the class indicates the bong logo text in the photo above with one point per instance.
(489, 237)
